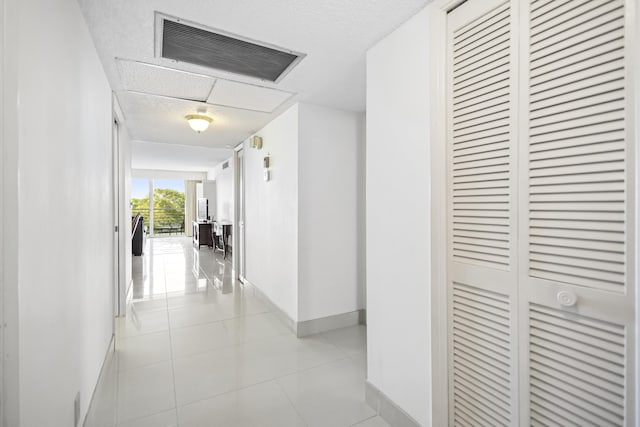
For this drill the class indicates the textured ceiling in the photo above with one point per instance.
(154, 80)
(334, 35)
(250, 97)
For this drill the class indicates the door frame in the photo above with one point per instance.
(115, 125)
(2, 319)
(119, 168)
(240, 241)
(437, 122)
(9, 217)
(235, 260)
(632, 32)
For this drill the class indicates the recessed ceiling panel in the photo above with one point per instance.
(155, 80)
(249, 97)
(162, 119)
(215, 49)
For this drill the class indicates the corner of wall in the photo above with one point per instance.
(387, 408)
(271, 223)
(330, 202)
(398, 188)
(9, 191)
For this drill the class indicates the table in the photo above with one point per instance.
(222, 233)
(202, 234)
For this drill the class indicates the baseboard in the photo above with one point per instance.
(329, 323)
(387, 408)
(362, 320)
(313, 326)
(109, 358)
(284, 317)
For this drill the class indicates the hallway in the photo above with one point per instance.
(199, 349)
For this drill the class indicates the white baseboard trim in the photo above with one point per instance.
(387, 408)
(329, 323)
(109, 358)
(291, 324)
(313, 326)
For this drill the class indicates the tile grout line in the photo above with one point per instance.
(170, 330)
(305, 370)
(224, 327)
(198, 354)
(362, 421)
(273, 379)
(146, 365)
(118, 372)
(304, 420)
(117, 361)
(342, 355)
(216, 395)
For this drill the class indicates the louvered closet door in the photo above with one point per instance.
(577, 290)
(482, 269)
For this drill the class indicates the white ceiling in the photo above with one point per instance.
(156, 93)
(189, 158)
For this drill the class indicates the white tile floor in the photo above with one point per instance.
(197, 349)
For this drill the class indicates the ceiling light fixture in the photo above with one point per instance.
(199, 122)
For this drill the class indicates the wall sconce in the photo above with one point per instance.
(199, 122)
(266, 163)
(256, 142)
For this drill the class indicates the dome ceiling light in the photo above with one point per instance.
(199, 122)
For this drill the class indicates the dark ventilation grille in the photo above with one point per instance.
(225, 165)
(197, 46)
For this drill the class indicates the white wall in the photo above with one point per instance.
(398, 218)
(302, 226)
(199, 190)
(164, 174)
(209, 191)
(62, 279)
(224, 192)
(329, 206)
(5, 243)
(271, 213)
(10, 214)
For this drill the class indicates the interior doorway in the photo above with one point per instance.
(241, 215)
(115, 152)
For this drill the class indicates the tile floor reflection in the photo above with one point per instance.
(199, 349)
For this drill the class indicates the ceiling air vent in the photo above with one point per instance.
(194, 45)
(225, 165)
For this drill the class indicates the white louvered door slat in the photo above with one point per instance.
(574, 174)
(604, 153)
(483, 275)
(541, 268)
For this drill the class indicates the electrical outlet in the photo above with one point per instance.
(76, 410)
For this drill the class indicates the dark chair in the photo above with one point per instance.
(137, 234)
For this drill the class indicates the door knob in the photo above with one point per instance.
(566, 298)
